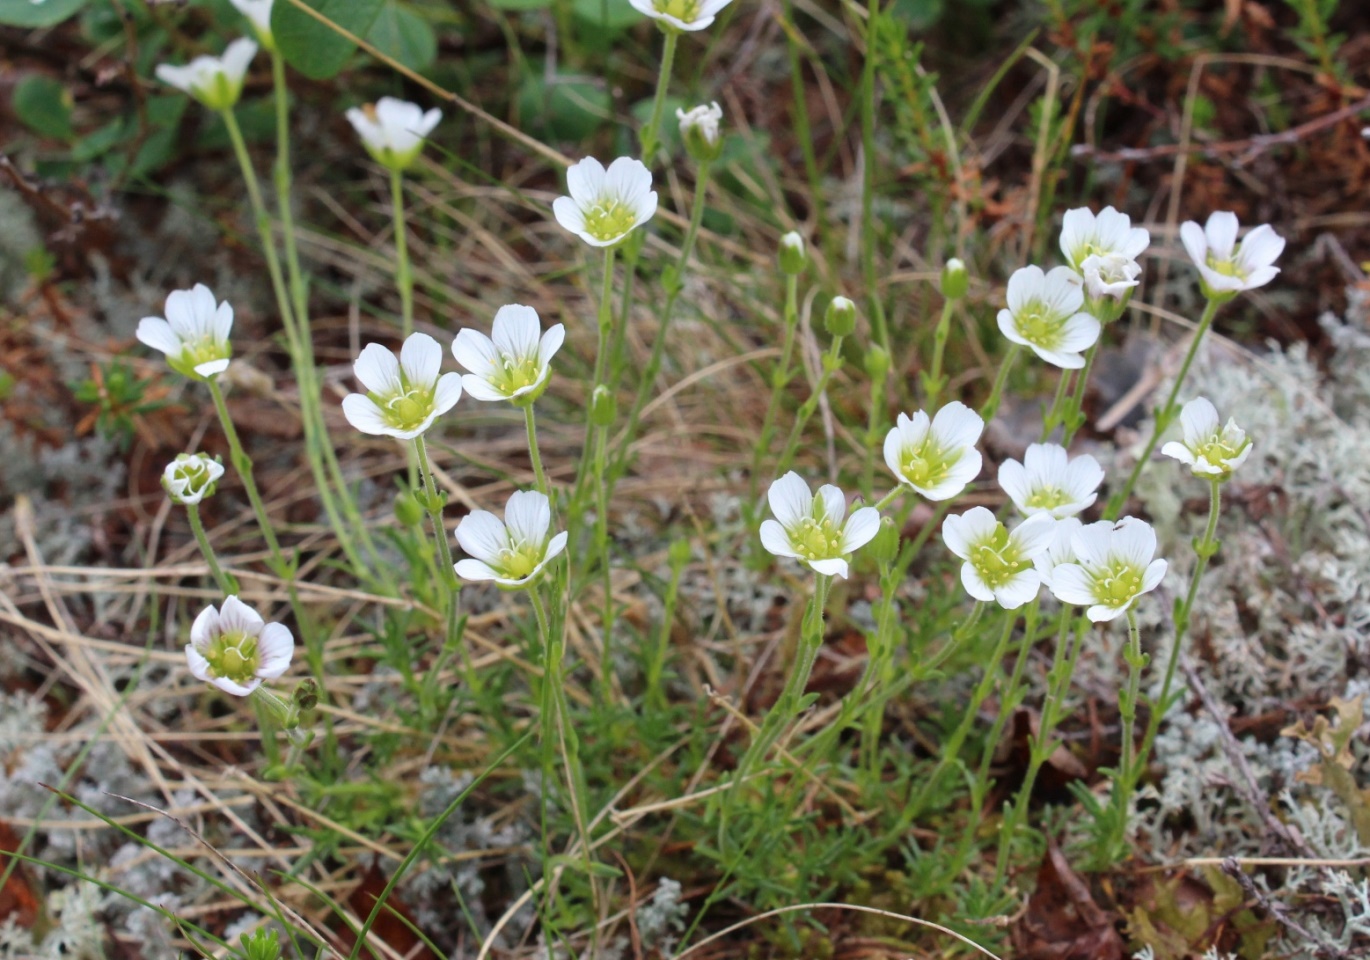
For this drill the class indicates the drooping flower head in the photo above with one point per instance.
(513, 551)
(604, 206)
(217, 82)
(194, 333)
(191, 477)
(811, 529)
(512, 364)
(699, 129)
(1044, 314)
(1107, 234)
(998, 564)
(235, 649)
(688, 15)
(403, 397)
(1211, 449)
(1060, 550)
(393, 130)
(258, 13)
(1113, 566)
(1048, 481)
(1226, 268)
(937, 456)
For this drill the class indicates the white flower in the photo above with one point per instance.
(936, 457)
(1048, 481)
(1210, 449)
(1044, 314)
(191, 477)
(810, 529)
(404, 396)
(1223, 270)
(681, 14)
(1109, 275)
(393, 130)
(1110, 234)
(605, 205)
(1060, 550)
(1113, 567)
(235, 649)
(216, 82)
(194, 334)
(511, 552)
(998, 564)
(515, 363)
(699, 129)
(258, 13)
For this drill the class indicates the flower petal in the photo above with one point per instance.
(157, 334)
(831, 566)
(378, 371)
(421, 360)
(790, 499)
(476, 352)
(482, 535)
(528, 515)
(275, 647)
(776, 540)
(860, 528)
(361, 411)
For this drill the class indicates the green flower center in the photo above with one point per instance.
(816, 539)
(519, 560)
(1048, 498)
(1218, 450)
(1039, 325)
(610, 218)
(683, 10)
(996, 560)
(1228, 268)
(407, 410)
(1118, 584)
(204, 350)
(928, 464)
(233, 656)
(515, 373)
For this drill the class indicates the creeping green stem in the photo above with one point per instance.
(651, 134)
(404, 275)
(226, 583)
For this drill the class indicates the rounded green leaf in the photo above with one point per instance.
(401, 33)
(26, 13)
(313, 47)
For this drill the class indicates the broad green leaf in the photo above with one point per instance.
(25, 13)
(566, 108)
(606, 14)
(404, 35)
(316, 49)
(44, 106)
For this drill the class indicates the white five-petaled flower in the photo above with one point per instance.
(235, 649)
(1044, 314)
(514, 362)
(937, 456)
(1113, 566)
(194, 333)
(687, 15)
(998, 564)
(699, 129)
(1109, 275)
(393, 130)
(1060, 550)
(1226, 268)
(1107, 234)
(191, 477)
(811, 530)
(604, 206)
(216, 82)
(258, 13)
(403, 397)
(1211, 449)
(511, 552)
(1048, 481)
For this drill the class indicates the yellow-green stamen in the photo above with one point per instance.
(996, 560)
(928, 464)
(1118, 584)
(609, 219)
(233, 656)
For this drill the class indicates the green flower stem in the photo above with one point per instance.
(1124, 778)
(832, 362)
(652, 132)
(890, 497)
(404, 275)
(874, 426)
(868, 240)
(1165, 416)
(243, 464)
(1073, 415)
(933, 382)
(606, 661)
(533, 453)
(802, 130)
(996, 393)
(1055, 413)
(656, 665)
(1043, 745)
(780, 378)
(433, 501)
(605, 325)
(226, 584)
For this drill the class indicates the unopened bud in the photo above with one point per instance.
(678, 553)
(408, 511)
(191, 477)
(885, 545)
(261, 944)
(793, 256)
(699, 128)
(955, 280)
(877, 363)
(603, 407)
(840, 318)
(307, 694)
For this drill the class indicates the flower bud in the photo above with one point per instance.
(261, 944)
(408, 511)
(700, 131)
(840, 317)
(678, 553)
(191, 477)
(955, 280)
(885, 546)
(603, 407)
(793, 256)
(877, 363)
(306, 694)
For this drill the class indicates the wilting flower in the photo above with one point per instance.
(998, 564)
(605, 205)
(810, 529)
(1113, 567)
(1044, 314)
(1109, 275)
(191, 477)
(403, 397)
(699, 129)
(937, 456)
(511, 552)
(393, 130)
(235, 649)
(1211, 450)
(513, 364)
(216, 82)
(1109, 234)
(681, 14)
(258, 13)
(1226, 268)
(1048, 481)
(1060, 550)
(194, 334)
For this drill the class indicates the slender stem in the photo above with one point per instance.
(533, 452)
(868, 105)
(606, 662)
(831, 364)
(243, 464)
(225, 582)
(656, 692)
(433, 501)
(874, 422)
(606, 316)
(1055, 413)
(800, 91)
(996, 392)
(652, 132)
(1124, 777)
(933, 382)
(779, 379)
(404, 276)
(1072, 416)
(889, 498)
(1165, 415)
